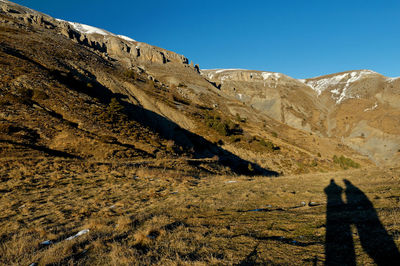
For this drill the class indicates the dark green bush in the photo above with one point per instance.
(223, 127)
(269, 145)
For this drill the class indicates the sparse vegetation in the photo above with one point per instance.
(39, 95)
(223, 127)
(344, 162)
(240, 119)
(148, 215)
(114, 112)
(269, 145)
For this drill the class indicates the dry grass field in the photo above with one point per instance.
(158, 215)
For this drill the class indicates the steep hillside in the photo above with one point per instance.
(358, 108)
(80, 68)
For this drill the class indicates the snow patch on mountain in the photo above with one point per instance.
(87, 29)
(126, 38)
(268, 75)
(392, 79)
(344, 81)
(227, 69)
(321, 85)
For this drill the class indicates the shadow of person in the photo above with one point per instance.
(339, 247)
(373, 237)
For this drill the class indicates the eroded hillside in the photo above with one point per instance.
(81, 78)
(358, 108)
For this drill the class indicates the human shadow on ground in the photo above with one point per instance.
(358, 211)
(339, 247)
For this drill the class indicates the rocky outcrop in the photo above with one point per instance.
(121, 48)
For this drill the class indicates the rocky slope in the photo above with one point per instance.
(359, 108)
(159, 91)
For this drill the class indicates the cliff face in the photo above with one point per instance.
(279, 96)
(124, 49)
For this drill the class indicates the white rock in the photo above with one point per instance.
(82, 232)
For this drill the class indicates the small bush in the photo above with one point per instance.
(344, 162)
(114, 113)
(39, 95)
(25, 95)
(223, 127)
(269, 145)
(240, 119)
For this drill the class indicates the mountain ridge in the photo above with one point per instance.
(308, 104)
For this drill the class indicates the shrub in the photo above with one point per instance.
(25, 95)
(114, 112)
(240, 119)
(39, 95)
(223, 127)
(344, 162)
(170, 146)
(269, 145)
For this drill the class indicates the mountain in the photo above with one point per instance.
(358, 108)
(117, 152)
(74, 65)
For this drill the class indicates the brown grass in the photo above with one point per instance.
(149, 216)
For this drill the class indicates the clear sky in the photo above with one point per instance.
(300, 38)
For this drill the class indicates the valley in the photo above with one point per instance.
(117, 152)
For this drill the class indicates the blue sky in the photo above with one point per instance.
(301, 38)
